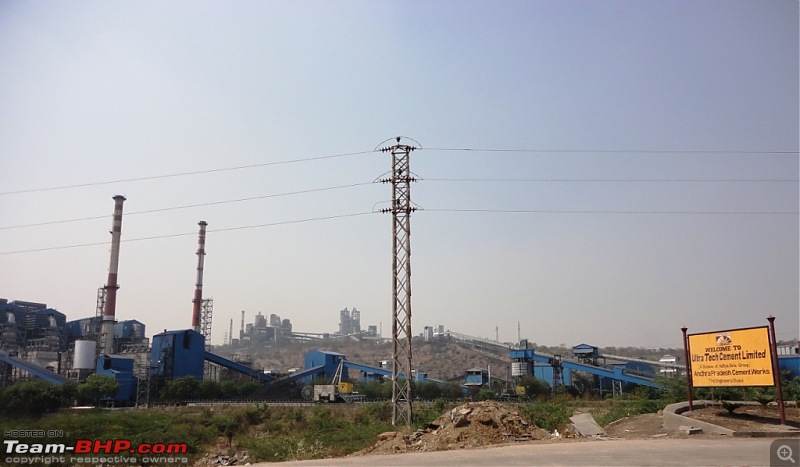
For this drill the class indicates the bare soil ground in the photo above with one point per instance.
(647, 425)
(490, 423)
(744, 419)
(471, 425)
(748, 418)
(480, 424)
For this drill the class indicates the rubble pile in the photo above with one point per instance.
(221, 458)
(469, 425)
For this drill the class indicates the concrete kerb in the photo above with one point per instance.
(673, 421)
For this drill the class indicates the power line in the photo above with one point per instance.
(549, 211)
(158, 237)
(187, 206)
(352, 185)
(183, 174)
(612, 151)
(332, 156)
(613, 180)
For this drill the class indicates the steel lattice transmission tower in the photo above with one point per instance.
(401, 284)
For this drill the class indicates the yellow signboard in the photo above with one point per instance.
(740, 357)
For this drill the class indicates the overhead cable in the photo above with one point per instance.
(187, 206)
(182, 174)
(183, 234)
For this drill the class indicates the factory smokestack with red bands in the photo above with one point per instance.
(110, 308)
(198, 290)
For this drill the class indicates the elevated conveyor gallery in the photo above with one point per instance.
(260, 376)
(34, 370)
(523, 356)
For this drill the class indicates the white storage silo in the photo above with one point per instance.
(84, 358)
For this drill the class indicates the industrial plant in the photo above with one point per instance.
(37, 341)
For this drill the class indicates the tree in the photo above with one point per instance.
(534, 387)
(181, 389)
(33, 398)
(426, 390)
(210, 390)
(99, 387)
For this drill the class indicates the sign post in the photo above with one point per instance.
(688, 368)
(734, 358)
(738, 358)
(776, 369)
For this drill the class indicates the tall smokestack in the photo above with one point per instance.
(110, 309)
(198, 289)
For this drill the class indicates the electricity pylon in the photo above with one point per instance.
(401, 284)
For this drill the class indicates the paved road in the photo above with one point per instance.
(657, 452)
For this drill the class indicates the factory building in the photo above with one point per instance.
(31, 325)
(261, 331)
(430, 333)
(33, 331)
(349, 322)
(350, 325)
(128, 334)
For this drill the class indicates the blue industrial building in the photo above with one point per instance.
(32, 325)
(121, 369)
(178, 353)
(547, 373)
(476, 377)
(328, 361)
(790, 363)
(125, 332)
(556, 371)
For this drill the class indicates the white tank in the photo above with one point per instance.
(84, 358)
(11, 318)
(520, 369)
(52, 320)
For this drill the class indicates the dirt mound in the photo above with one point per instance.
(469, 425)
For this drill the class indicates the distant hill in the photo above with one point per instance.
(439, 358)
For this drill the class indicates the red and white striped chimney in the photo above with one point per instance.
(198, 290)
(110, 308)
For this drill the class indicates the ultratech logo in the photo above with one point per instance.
(88, 450)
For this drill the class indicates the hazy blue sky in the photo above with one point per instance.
(632, 230)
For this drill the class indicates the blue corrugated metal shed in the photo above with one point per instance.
(546, 374)
(178, 353)
(121, 369)
(790, 363)
(476, 377)
(129, 329)
(584, 350)
(326, 359)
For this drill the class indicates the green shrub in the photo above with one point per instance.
(628, 406)
(256, 414)
(380, 412)
(548, 415)
(35, 398)
(730, 406)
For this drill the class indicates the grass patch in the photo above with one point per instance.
(621, 407)
(548, 415)
(269, 433)
(136, 426)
